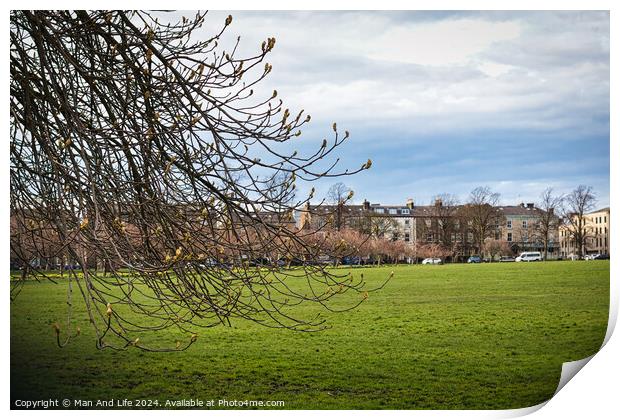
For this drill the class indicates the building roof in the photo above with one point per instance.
(358, 210)
(520, 210)
(603, 210)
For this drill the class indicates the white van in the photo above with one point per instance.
(529, 256)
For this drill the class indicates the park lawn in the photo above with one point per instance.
(483, 336)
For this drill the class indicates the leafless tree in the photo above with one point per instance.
(495, 247)
(445, 208)
(548, 219)
(382, 227)
(338, 195)
(524, 237)
(135, 143)
(279, 191)
(483, 215)
(435, 250)
(576, 205)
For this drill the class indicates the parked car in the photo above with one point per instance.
(209, 262)
(72, 267)
(432, 261)
(280, 263)
(602, 257)
(474, 259)
(590, 257)
(529, 256)
(506, 259)
(351, 260)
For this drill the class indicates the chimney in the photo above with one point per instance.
(410, 203)
(530, 205)
(438, 202)
(366, 204)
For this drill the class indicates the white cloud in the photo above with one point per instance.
(533, 71)
(437, 76)
(440, 43)
(494, 69)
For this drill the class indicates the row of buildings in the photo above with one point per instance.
(452, 228)
(516, 226)
(597, 238)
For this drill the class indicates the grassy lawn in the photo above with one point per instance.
(478, 336)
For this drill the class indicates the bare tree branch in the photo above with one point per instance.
(142, 151)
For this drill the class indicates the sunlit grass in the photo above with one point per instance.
(453, 336)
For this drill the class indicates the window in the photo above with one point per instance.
(509, 239)
(393, 211)
(509, 224)
(497, 236)
(525, 224)
(406, 236)
(525, 237)
(405, 211)
(407, 222)
(379, 210)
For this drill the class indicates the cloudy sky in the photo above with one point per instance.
(443, 102)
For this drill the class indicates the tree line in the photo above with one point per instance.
(449, 229)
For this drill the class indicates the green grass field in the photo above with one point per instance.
(484, 336)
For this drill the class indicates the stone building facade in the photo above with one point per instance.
(597, 240)
(432, 224)
(522, 232)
